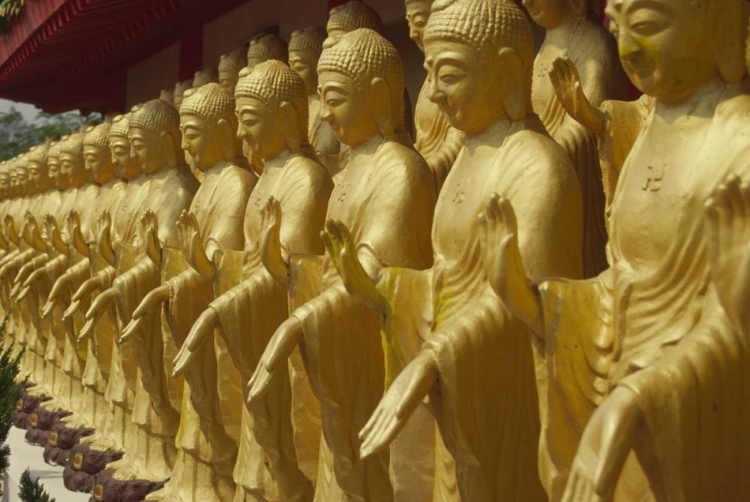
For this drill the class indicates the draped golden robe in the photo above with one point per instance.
(386, 200)
(251, 311)
(658, 330)
(486, 402)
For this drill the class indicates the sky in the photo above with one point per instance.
(28, 111)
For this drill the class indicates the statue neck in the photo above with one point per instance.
(215, 168)
(279, 160)
(497, 131)
(105, 177)
(709, 92)
(370, 146)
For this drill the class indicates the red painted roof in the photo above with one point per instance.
(64, 54)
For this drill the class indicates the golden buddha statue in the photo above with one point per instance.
(351, 16)
(272, 95)
(644, 365)
(305, 47)
(457, 344)
(153, 131)
(386, 196)
(206, 451)
(266, 48)
(179, 91)
(616, 124)
(203, 77)
(436, 140)
(230, 65)
(573, 33)
(167, 95)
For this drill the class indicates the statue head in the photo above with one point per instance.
(417, 15)
(125, 165)
(361, 87)
(167, 95)
(96, 153)
(352, 16)
(53, 163)
(479, 56)
(550, 14)
(36, 165)
(305, 48)
(179, 90)
(272, 109)
(671, 48)
(154, 134)
(265, 48)
(22, 175)
(72, 166)
(229, 69)
(5, 190)
(203, 77)
(207, 124)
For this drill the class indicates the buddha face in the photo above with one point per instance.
(145, 149)
(35, 173)
(306, 67)
(664, 45)
(464, 86)
(125, 165)
(72, 170)
(97, 163)
(4, 183)
(228, 79)
(22, 180)
(260, 127)
(417, 14)
(53, 170)
(347, 108)
(200, 141)
(548, 13)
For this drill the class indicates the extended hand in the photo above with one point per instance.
(86, 290)
(149, 303)
(96, 311)
(270, 249)
(189, 233)
(60, 283)
(10, 228)
(279, 349)
(607, 440)
(567, 84)
(150, 236)
(728, 232)
(104, 238)
(402, 398)
(503, 263)
(53, 232)
(342, 250)
(199, 333)
(74, 224)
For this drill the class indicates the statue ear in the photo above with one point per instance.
(226, 138)
(383, 112)
(289, 126)
(168, 149)
(513, 84)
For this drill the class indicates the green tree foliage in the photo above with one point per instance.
(17, 135)
(32, 490)
(10, 393)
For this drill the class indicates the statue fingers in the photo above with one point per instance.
(47, 310)
(130, 330)
(385, 431)
(184, 359)
(259, 383)
(72, 309)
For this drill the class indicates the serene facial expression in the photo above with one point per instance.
(35, 173)
(144, 147)
(228, 80)
(200, 142)
(53, 170)
(4, 183)
(67, 169)
(464, 86)
(119, 146)
(92, 155)
(548, 13)
(664, 45)
(306, 67)
(417, 15)
(347, 108)
(260, 127)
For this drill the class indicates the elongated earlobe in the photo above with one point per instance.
(226, 137)
(512, 92)
(383, 111)
(290, 127)
(168, 150)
